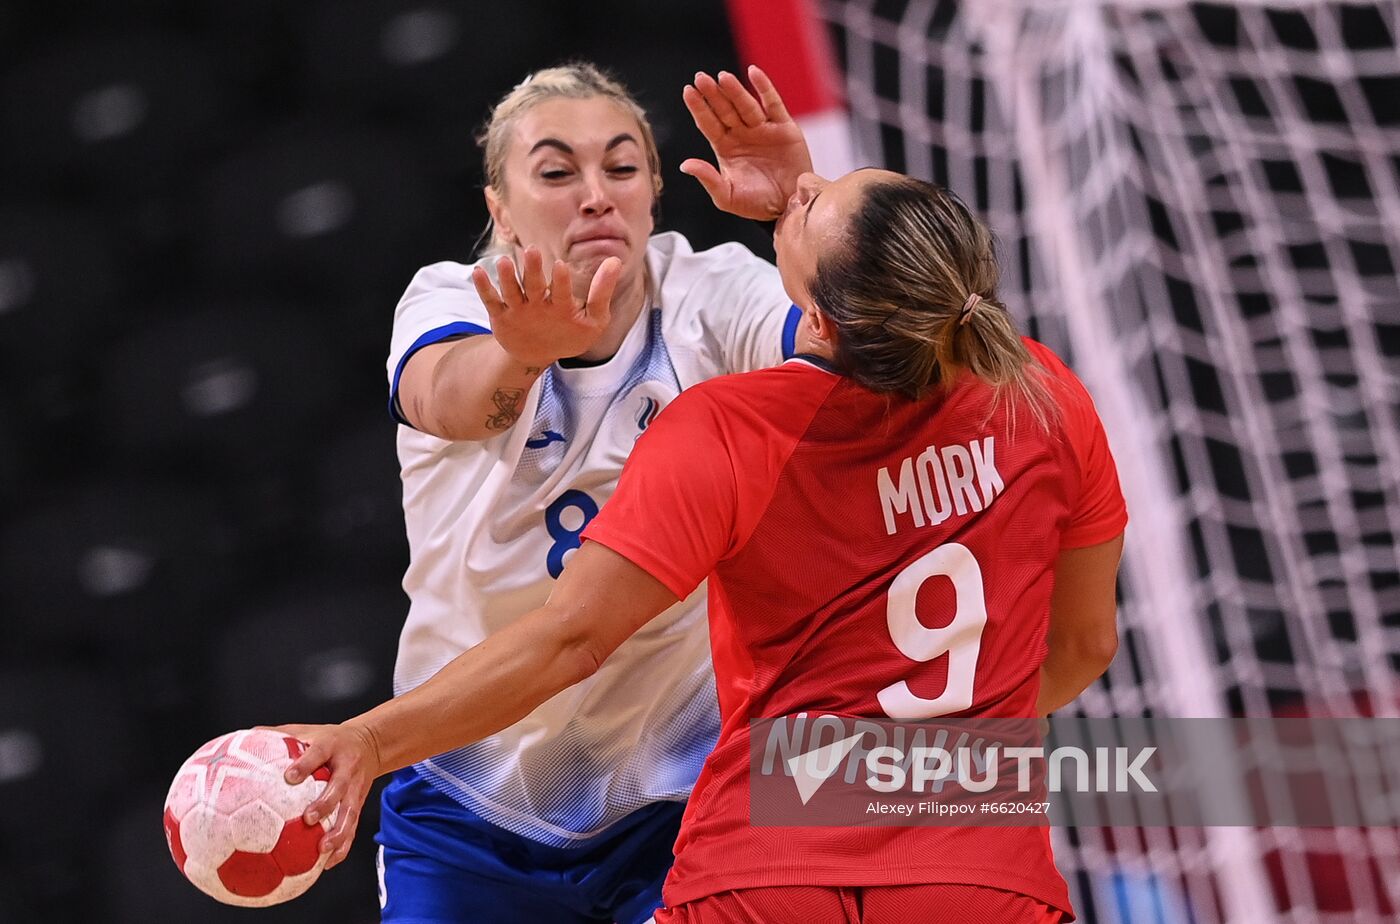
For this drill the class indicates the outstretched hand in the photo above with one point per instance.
(538, 321)
(759, 148)
(351, 755)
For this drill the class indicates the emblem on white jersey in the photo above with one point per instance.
(544, 439)
(649, 409)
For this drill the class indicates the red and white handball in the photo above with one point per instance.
(234, 825)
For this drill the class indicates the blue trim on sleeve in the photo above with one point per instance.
(790, 332)
(436, 335)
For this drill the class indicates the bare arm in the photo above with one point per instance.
(470, 389)
(1083, 623)
(474, 389)
(599, 602)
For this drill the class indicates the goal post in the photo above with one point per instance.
(1198, 204)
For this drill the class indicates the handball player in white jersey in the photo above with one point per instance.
(521, 384)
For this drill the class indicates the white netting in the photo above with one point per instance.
(1199, 205)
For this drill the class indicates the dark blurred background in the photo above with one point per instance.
(207, 214)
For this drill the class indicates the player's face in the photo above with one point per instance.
(814, 223)
(578, 187)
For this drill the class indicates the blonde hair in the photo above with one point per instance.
(900, 291)
(575, 80)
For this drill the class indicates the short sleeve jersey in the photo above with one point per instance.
(815, 507)
(491, 524)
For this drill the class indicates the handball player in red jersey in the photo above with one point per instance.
(918, 435)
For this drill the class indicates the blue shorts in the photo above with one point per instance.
(439, 863)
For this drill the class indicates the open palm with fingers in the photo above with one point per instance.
(759, 148)
(538, 321)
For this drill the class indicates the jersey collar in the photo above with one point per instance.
(811, 359)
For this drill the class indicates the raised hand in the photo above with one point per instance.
(759, 148)
(538, 322)
(353, 759)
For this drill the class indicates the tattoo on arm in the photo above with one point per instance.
(507, 401)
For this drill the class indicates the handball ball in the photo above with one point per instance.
(234, 826)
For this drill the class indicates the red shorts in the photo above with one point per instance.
(928, 904)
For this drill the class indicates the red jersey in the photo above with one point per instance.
(821, 512)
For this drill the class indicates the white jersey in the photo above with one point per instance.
(491, 523)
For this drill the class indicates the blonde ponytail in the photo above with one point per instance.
(913, 297)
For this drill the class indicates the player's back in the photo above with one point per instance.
(900, 564)
(878, 557)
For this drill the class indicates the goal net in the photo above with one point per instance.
(1198, 204)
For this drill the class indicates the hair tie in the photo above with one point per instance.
(968, 307)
